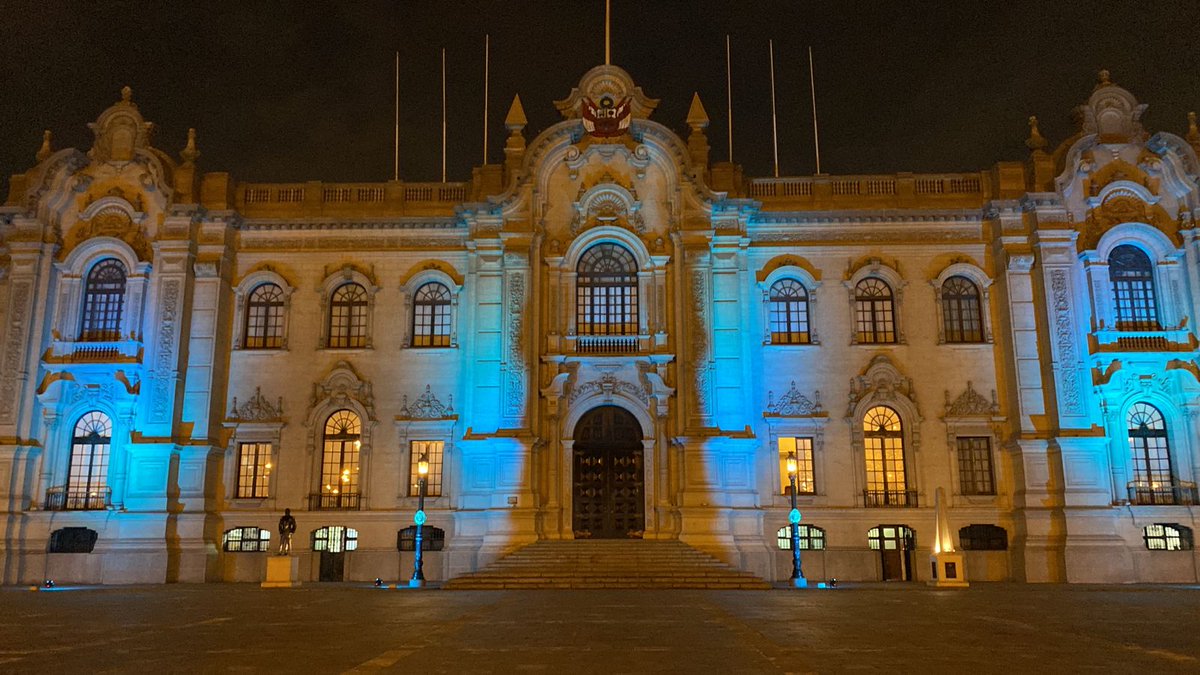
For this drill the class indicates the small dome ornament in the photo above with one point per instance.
(1193, 134)
(189, 152)
(1036, 142)
(1103, 79)
(44, 151)
(126, 94)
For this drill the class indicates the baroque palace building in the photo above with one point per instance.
(609, 335)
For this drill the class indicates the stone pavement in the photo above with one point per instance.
(336, 628)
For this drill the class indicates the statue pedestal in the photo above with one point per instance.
(283, 571)
(949, 570)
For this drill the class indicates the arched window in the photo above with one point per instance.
(1168, 537)
(789, 312)
(883, 441)
(606, 296)
(431, 316)
(1153, 478)
(339, 462)
(334, 539)
(961, 311)
(103, 302)
(264, 317)
(1132, 277)
(348, 317)
(874, 312)
(87, 474)
(246, 540)
(812, 538)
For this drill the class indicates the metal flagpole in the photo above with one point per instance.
(774, 126)
(729, 97)
(487, 46)
(443, 114)
(396, 138)
(607, 32)
(812, 85)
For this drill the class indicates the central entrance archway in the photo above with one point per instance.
(608, 478)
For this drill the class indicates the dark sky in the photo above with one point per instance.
(302, 91)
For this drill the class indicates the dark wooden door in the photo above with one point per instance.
(333, 566)
(609, 479)
(895, 545)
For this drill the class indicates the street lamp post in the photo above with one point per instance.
(418, 575)
(797, 578)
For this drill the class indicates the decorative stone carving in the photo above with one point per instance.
(165, 354)
(794, 404)
(971, 404)
(515, 391)
(342, 386)
(881, 382)
(256, 409)
(607, 202)
(1064, 340)
(427, 407)
(698, 336)
(607, 385)
(14, 349)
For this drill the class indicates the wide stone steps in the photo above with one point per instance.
(614, 563)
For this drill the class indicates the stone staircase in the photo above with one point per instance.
(607, 563)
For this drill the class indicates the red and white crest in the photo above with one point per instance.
(606, 119)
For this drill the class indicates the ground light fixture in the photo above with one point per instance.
(418, 575)
(797, 578)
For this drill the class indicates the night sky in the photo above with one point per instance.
(298, 91)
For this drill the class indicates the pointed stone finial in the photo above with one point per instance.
(126, 94)
(189, 152)
(697, 117)
(515, 120)
(1036, 142)
(1103, 80)
(1193, 134)
(45, 151)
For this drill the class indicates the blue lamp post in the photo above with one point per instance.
(418, 575)
(797, 578)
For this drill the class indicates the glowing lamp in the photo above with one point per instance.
(49, 583)
(378, 582)
(792, 467)
(423, 466)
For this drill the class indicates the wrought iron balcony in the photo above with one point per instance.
(606, 344)
(70, 498)
(329, 501)
(889, 498)
(1145, 493)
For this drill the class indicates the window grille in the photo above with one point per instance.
(1149, 447)
(1168, 537)
(874, 312)
(433, 451)
(334, 539)
(339, 460)
(1132, 276)
(432, 539)
(962, 315)
(891, 538)
(803, 449)
(264, 318)
(348, 317)
(983, 538)
(72, 540)
(789, 312)
(103, 302)
(975, 465)
(246, 540)
(431, 316)
(812, 538)
(606, 300)
(254, 470)
(87, 474)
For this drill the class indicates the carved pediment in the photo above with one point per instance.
(607, 385)
(427, 407)
(342, 386)
(256, 409)
(882, 382)
(607, 202)
(971, 403)
(794, 404)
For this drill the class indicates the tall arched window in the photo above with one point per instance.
(339, 461)
(87, 473)
(103, 301)
(431, 316)
(606, 298)
(264, 317)
(883, 445)
(874, 312)
(789, 312)
(348, 316)
(1132, 276)
(962, 315)
(1153, 478)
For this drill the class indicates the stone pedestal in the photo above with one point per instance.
(283, 571)
(949, 570)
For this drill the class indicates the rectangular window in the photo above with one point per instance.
(803, 447)
(975, 465)
(432, 451)
(254, 470)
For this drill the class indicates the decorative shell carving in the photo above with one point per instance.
(971, 404)
(427, 407)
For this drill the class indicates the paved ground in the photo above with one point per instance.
(336, 628)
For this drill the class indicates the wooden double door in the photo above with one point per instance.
(608, 476)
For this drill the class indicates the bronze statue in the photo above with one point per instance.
(287, 526)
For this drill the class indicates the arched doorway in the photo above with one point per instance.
(895, 544)
(608, 478)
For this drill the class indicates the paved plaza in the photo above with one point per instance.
(338, 628)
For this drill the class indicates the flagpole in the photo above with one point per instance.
(607, 32)
(812, 85)
(396, 137)
(443, 114)
(487, 46)
(774, 126)
(729, 97)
